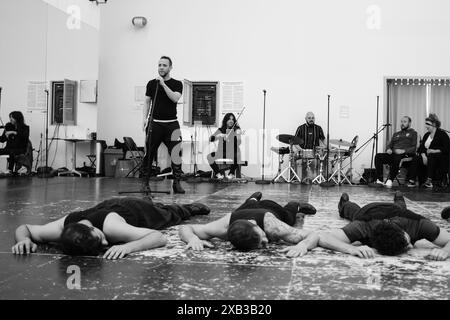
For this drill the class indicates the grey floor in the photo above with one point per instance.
(218, 273)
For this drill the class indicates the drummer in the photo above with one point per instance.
(312, 136)
(311, 133)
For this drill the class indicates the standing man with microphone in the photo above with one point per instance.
(402, 145)
(161, 100)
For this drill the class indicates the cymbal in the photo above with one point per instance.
(288, 139)
(340, 142)
(282, 150)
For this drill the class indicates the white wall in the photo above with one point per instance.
(299, 51)
(37, 45)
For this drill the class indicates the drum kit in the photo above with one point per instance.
(336, 156)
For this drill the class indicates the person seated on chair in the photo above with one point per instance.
(311, 133)
(128, 224)
(402, 145)
(312, 137)
(16, 136)
(389, 228)
(431, 163)
(253, 225)
(229, 138)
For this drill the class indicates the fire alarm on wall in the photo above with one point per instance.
(139, 22)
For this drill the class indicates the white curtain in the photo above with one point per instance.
(406, 100)
(440, 104)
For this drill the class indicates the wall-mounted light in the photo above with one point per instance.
(139, 22)
(98, 2)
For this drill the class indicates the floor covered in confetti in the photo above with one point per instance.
(173, 272)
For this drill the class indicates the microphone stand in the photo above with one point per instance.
(328, 183)
(45, 172)
(147, 191)
(1, 121)
(262, 181)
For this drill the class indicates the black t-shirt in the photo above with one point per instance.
(136, 212)
(362, 231)
(256, 210)
(311, 135)
(384, 210)
(164, 108)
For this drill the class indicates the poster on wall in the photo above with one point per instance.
(36, 96)
(88, 91)
(139, 98)
(232, 96)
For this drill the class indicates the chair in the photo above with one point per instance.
(25, 160)
(135, 154)
(403, 162)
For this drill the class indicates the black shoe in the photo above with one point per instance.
(300, 207)
(177, 188)
(197, 209)
(344, 198)
(306, 208)
(257, 195)
(445, 214)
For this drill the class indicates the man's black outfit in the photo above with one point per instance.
(404, 139)
(311, 134)
(165, 128)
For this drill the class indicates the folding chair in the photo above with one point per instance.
(135, 154)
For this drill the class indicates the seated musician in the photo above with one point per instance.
(402, 145)
(311, 135)
(16, 136)
(431, 163)
(229, 138)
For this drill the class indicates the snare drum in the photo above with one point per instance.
(306, 154)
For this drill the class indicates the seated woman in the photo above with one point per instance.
(229, 137)
(431, 163)
(16, 136)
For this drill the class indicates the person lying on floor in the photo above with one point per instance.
(253, 225)
(390, 228)
(128, 224)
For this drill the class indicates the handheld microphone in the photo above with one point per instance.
(387, 125)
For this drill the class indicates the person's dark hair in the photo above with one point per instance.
(168, 58)
(433, 118)
(223, 128)
(389, 239)
(77, 240)
(18, 116)
(243, 235)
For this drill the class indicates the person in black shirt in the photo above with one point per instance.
(228, 148)
(312, 137)
(162, 95)
(402, 145)
(253, 225)
(129, 222)
(16, 136)
(431, 163)
(311, 133)
(391, 229)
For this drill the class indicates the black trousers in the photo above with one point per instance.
(12, 153)
(393, 160)
(216, 169)
(436, 169)
(377, 211)
(168, 133)
(283, 213)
